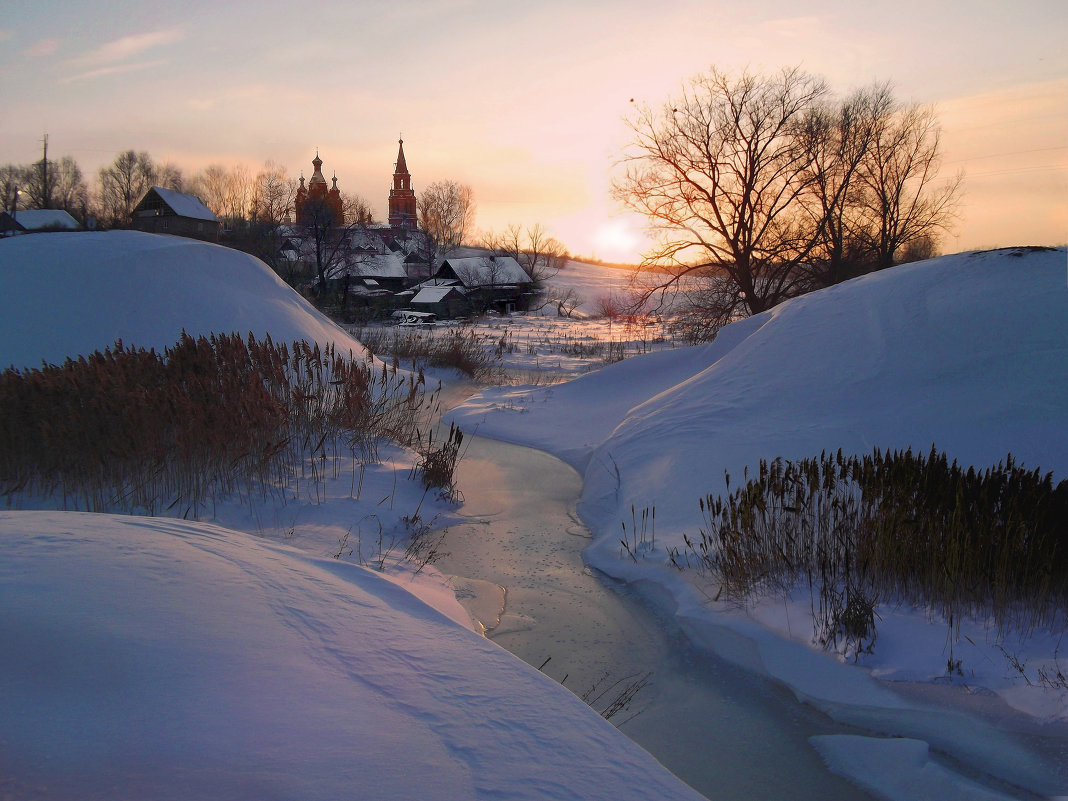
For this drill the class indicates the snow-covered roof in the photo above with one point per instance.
(434, 294)
(381, 265)
(438, 282)
(185, 205)
(35, 219)
(487, 270)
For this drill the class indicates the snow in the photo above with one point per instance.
(256, 655)
(70, 294)
(280, 671)
(158, 658)
(966, 352)
(185, 205)
(899, 768)
(592, 284)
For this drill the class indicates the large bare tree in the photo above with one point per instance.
(720, 173)
(839, 139)
(447, 214)
(122, 184)
(902, 205)
(760, 188)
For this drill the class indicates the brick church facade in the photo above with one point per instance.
(402, 211)
(317, 203)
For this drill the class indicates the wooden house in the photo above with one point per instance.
(164, 211)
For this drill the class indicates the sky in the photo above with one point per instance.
(523, 101)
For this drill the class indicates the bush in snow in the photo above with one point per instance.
(134, 429)
(893, 526)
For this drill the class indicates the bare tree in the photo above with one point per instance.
(212, 185)
(356, 209)
(839, 139)
(330, 243)
(39, 184)
(123, 183)
(60, 186)
(540, 254)
(900, 203)
(269, 208)
(447, 213)
(10, 181)
(565, 299)
(71, 191)
(169, 176)
(238, 199)
(719, 173)
(273, 193)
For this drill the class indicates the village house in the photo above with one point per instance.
(443, 301)
(30, 220)
(164, 211)
(496, 283)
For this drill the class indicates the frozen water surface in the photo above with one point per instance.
(728, 733)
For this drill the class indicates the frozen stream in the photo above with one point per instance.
(727, 733)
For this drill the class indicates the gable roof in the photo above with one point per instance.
(35, 219)
(183, 205)
(434, 294)
(486, 270)
(379, 265)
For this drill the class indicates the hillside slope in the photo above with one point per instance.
(68, 294)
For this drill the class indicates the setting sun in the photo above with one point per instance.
(617, 241)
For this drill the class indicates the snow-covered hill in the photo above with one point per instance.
(152, 658)
(164, 659)
(67, 294)
(966, 352)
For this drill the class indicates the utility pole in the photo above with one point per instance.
(46, 189)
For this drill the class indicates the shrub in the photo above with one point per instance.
(133, 429)
(890, 526)
(437, 465)
(458, 347)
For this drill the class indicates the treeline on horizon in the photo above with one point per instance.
(234, 194)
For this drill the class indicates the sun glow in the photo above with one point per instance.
(617, 240)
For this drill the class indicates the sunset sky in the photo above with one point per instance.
(524, 101)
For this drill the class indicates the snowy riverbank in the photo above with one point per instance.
(966, 352)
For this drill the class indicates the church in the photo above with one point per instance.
(315, 202)
(402, 214)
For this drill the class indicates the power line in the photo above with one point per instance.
(1008, 153)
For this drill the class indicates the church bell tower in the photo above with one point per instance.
(402, 196)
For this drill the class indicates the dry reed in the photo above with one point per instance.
(131, 429)
(894, 527)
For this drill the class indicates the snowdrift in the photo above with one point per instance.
(68, 294)
(152, 658)
(966, 352)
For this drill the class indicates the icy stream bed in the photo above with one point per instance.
(729, 734)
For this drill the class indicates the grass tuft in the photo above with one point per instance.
(893, 526)
(130, 429)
